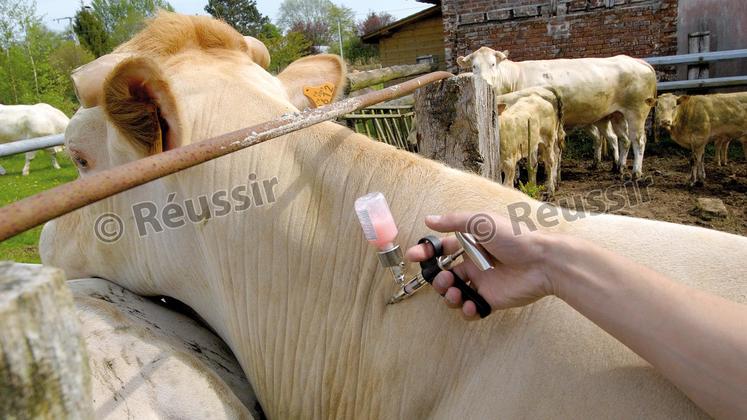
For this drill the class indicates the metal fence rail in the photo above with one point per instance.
(703, 83)
(29, 145)
(700, 58)
(695, 58)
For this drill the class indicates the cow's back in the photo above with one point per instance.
(19, 122)
(592, 88)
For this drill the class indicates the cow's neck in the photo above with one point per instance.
(303, 307)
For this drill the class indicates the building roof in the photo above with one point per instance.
(387, 30)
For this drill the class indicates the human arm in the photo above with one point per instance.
(695, 339)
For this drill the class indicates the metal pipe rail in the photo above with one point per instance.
(695, 58)
(39, 208)
(30, 145)
(703, 83)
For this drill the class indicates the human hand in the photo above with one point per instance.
(518, 277)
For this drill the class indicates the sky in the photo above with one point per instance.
(56, 9)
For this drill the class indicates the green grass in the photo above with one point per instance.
(13, 187)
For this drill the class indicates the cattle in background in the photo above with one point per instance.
(20, 122)
(531, 124)
(592, 89)
(695, 121)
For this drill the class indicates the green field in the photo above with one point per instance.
(13, 187)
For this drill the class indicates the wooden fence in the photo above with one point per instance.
(391, 124)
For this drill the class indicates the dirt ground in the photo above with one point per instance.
(667, 195)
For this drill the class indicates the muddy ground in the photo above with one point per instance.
(667, 196)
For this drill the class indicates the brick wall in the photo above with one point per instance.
(546, 29)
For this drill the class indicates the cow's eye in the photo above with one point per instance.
(81, 162)
(492, 64)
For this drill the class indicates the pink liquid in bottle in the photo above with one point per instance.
(376, 220)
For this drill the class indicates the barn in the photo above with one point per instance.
(413, 39)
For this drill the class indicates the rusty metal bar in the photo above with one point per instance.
(40, 208)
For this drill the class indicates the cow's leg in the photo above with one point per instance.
(701, 166)
(548, 156)
(620, 142)
(509, 172)
(743, 140)
(594, 133)
(696, 160)
(27, 166)
(53, 153)
(637, 136)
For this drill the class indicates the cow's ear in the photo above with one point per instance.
(651, 101)
(682, 99)
(501, 55)
(500, 108)
(138, 100)
(315, 80)
(463, 62)
(258, 51)
(88, 79)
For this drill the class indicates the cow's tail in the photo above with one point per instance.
(559, 113)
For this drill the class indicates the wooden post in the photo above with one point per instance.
(457, 124)
(698, 42)
(43, 365)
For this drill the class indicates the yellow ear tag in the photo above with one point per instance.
(320, 95)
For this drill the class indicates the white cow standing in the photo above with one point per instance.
(20, 122)
(620, 89)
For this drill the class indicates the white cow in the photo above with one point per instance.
(286, 278)
(620, 88)
(531, 124)
(20, 122)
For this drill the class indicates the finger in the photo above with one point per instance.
(453, 297)
(469, 311)
(422, 252)
(442, 282)
(451, 222)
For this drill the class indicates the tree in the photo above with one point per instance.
(243, 15)
(284, 49)
(31, 64)
(116, 21)
(317, 19)
(373, 22)
(91, 32)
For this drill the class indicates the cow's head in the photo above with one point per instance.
(180, 80)
(665, 107)
(484, 62)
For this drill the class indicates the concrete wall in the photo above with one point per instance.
(727, 22)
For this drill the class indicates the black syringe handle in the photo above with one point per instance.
(430, 268)
(468, 293)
